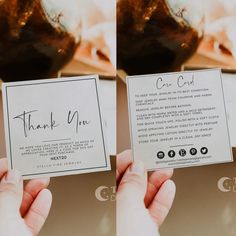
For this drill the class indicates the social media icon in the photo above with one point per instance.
(160, 155)
(171, 153)
(182, 152)
(204, 150)
(193, 151)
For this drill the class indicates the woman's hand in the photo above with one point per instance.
(23, 209)
(142, 202)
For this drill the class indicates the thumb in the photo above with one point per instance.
(11, 193)
(133, 185)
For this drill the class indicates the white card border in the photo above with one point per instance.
(171, 73)
(10, 158)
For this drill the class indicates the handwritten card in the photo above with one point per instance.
(178, 119)
(54, 127)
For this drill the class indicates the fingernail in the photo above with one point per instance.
(137, 167)
(170, 185)
(13, 177)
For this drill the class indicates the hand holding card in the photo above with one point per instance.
(178, 119)
(54, 127)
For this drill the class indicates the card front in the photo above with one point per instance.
(178, 119)
(54, 127)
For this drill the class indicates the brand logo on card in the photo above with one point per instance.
(226, 184)
(104, 193)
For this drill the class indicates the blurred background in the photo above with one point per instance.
(160, 36)
(41, 38)
(97, 50)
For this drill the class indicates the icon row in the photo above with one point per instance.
(183, 152)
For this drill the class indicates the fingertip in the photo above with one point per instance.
(123, 161)
(168, 191)
(43, 201)
(163, 202)
(171, 172)
(126, 153)
(133, 185)
(34, 186)
(167, 173)
(48, 192)
(125, 156)
(170, 186)
(161, 175)
(46, 196)
(46, 182)
(31, 191)
(138, 167)
(39, 211)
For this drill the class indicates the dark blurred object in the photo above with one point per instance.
(32, 44)
(155, 37)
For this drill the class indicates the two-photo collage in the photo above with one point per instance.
(117, 117)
